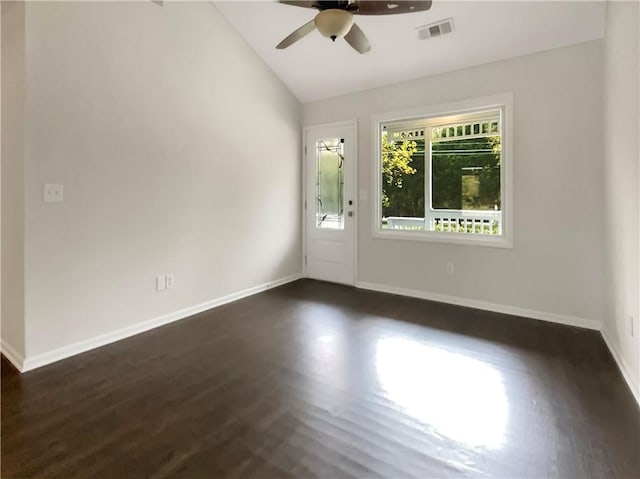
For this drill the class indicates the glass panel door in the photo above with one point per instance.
(330, 169)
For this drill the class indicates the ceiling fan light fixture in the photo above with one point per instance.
(334, 23)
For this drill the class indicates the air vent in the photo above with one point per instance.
(436, 29)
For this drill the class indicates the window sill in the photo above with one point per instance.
(448, 238)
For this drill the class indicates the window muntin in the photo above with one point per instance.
(443, 175)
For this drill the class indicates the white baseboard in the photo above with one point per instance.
(12, 355)
(64, 352)
(485, 305)
(622, 365)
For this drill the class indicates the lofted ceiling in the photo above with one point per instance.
(314, 68)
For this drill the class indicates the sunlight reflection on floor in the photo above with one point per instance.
(460, 397)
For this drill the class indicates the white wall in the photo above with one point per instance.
(12, 310)
(556, 265)
(621, 174)
(179, 151)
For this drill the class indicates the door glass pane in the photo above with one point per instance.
(330, 183)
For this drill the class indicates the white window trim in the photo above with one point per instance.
(503, 102)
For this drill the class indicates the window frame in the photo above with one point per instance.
(502, 102)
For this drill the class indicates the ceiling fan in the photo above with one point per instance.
(335, 18)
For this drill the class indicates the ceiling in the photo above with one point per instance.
(314, 68)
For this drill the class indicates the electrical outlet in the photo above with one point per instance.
(169, 281)
(53, 193)
(161, 283)
(450, 268)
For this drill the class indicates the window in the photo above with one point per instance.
(444, 175)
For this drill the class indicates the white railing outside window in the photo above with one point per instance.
(452, 221)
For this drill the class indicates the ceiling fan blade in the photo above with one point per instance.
(309, 4)
(388, 7)
(297, 35)
(357, 39)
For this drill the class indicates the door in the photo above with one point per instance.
(330, 203)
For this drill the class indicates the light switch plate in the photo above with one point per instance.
(161, 283)
(53, 192)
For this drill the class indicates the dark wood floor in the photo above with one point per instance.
(320, 380)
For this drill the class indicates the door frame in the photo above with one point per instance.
(349, 123)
